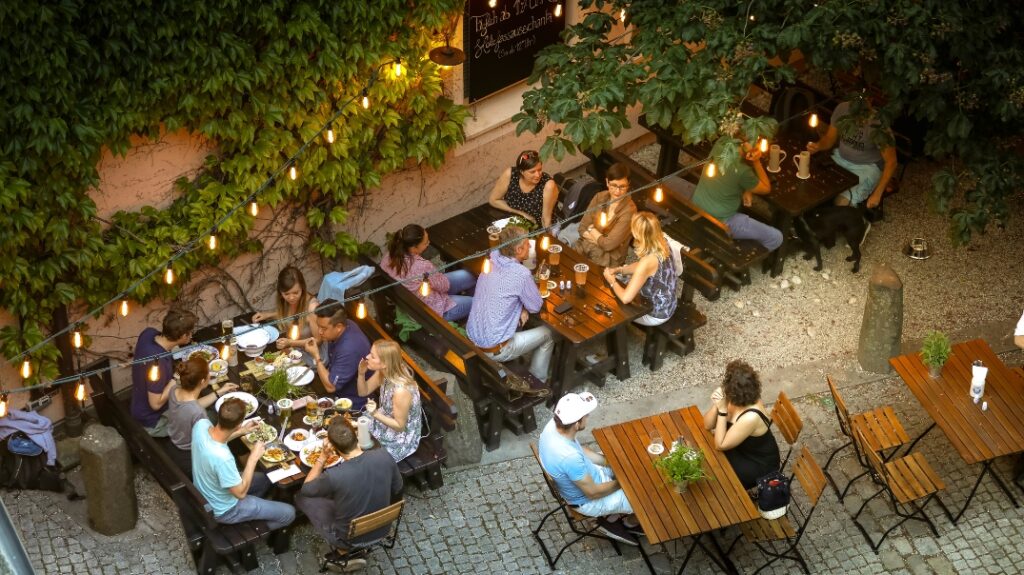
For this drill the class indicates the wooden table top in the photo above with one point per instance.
(664, 514)
(466, 234)
(977, 435)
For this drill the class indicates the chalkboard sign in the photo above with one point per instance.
(501, 42)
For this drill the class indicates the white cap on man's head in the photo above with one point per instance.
(575, 406)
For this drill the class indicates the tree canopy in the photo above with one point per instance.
(956, 66)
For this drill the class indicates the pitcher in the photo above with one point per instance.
(803, 164)
(775, 156)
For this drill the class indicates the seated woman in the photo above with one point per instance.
(185, 407)
(526, 190)
(292, 298)
(396, 423)
(404, 262)
(742, 429)
(653, 275)
(606, 245)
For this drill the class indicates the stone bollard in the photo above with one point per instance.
(463, 444)
(109, 481)
(882, 329)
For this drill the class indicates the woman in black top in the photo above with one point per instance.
(742, 429)
(526, 190)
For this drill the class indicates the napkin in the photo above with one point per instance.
(283, 472)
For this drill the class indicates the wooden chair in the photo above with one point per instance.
(778, 539)
(910, 483)
(578, 523)
(788, 422)
(882, 431)
(362, 525)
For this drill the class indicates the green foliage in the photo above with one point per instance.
(257, 79)
(935, 349)
(955, 65)
(682, 464)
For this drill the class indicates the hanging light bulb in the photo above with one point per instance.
(254, 208)
(763, 145)
(293, 333)
(124, 308)
(544, 243)
(80, 390)
(487, 266)
(659, 195)
(398, 67)
(76, 339)
(558, 10)
(604, 219)
(425, 286)
(293, 172)
(169, 275)
(225, 350)
(366, 99)
(330, 134)
(492, 3)
(813, 121)
(3, 405)
(361, 310)
(212, 242)
(622, 15)
(26, 369)
(154, 372)
(712, 170)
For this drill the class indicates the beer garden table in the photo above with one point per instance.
(978, 436)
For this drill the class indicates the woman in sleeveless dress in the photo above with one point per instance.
(396, 423)
(653, 275)
(525, 190)
(741, 426)
(292, 299)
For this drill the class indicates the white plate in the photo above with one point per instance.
(218, 367)
(187, 351)
(304, 453)
(297, 377)
(294, 444)
(248, 398)
(250, 336)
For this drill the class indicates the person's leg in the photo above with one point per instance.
(460, 281)
(744, 227)
(463, 303)
(320, 511)
(251, 508)
(523, 342)
(647, 320)
(867, 178)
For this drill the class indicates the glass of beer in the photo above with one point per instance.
(492, 235)
(226, 327)
(284, 407)
(542, 281)
(581, 274)
(554, 254)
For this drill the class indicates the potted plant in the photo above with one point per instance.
(277, 387)
(935, 351)
(682, 465)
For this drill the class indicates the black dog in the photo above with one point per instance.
(829, 222)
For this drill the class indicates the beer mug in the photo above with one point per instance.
(493, 233)
(581, 274)
(775, 156)
(803, 164)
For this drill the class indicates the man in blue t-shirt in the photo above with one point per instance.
(346, 346)
(579, 472)
(233, 497)
(149, 397)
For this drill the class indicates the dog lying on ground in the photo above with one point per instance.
(829, 222)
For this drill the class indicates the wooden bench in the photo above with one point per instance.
(211, 543)
(479, 377)
(423, 467)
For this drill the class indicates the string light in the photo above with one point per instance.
(361, 310)
(330, 133)
(366, 99)
(658, 194)
(558, 10)
(492, 3)
(398, 67)
(212, 242)
(169, 275)
(293, 333)
(487, 266)
(425, 287)
(80, 390)
(3, 405)
(124, 308)
(26, 369)
(293, 172)
(622, 15)
(76, 339)
(225, 350)
(711, 170)
(154, 372)
(254, 209)
(813, 121)
(604, 219)
(763, 145)
(544, 242)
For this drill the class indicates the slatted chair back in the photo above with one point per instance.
(551, 483)
(874, 459)
(810, 475)
(373, 521)
(786, 418)
(842, 412)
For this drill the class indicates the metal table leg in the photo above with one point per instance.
(986, 468)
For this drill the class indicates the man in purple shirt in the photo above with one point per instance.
(346, 345)
(149, 398)
(503, 301)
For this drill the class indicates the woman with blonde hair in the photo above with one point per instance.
(653, 275)
(396, 423)
(292, 299)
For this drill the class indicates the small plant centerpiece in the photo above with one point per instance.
(935, 351)
(277, 387)
(682, 465)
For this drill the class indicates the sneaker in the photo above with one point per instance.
(867, 229)
(616, 531)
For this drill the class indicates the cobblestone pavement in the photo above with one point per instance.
(481, 521)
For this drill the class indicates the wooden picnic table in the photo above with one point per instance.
(978, 436)
(664, 514)
(465, 234)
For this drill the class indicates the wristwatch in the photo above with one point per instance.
(723, 414)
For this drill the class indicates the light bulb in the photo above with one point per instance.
(212, 242)
(366, 100)
(80, 390)
(225, 351)
(398, 68)
(254, 209)
(492, 3)
(425, 287)
(361, 310)
(169, 275)
(293, 333)
(711, 170)
(3, 405)
(293, 172)
(124, 308)
(330, 135)
(544, 243)
(76, 339)
(154, 372)
(622, 15)
(26, 369)
(752, 18)
(487, 266)
(558, 10)
(813, 121)
(658, 194)
(604, 219)
(763, 146)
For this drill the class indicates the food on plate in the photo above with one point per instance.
(218, 366)
(313, 453)
(343, 403)
(265, 432)
(295, 355)
(275, 455)
(270, 356)
(299, 435)
(324, 403)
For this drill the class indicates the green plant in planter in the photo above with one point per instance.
(683, 464)
(276, 387)
(935, 350)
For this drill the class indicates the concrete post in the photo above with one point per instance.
(882, 329)
(109, 481)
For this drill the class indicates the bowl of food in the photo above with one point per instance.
(295, 355)
(275, 453)
(251, 403)
(252, 339)
(264, 432)
(343, 404)
(218, 367)
(324, 403)
(297, 438)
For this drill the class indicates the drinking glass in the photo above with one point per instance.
(581, 274)
(554, 255)
(284, 406)
(657, 444)
(492, 235)
(227, 327)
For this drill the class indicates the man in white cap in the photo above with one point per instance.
(580, 473)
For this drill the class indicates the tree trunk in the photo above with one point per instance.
(67, 367)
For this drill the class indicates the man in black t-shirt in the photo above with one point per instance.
(366, 481)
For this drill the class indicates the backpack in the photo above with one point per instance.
(23, 466)
(773, 495)
(578, 194)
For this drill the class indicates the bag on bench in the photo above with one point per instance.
(23, 466)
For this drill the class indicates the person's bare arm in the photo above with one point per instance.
(158, 400)
(889, 157)
(644, 269)
(597, 458)
(367, 386)
(321, 370)
(402, 404)
(735, 435)
(550, 199)
(242, 488)
(497, 198)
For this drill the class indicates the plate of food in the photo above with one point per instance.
(300, 375)
(343, 404)
(297, 438)
(252, 404)
(311, 453)
(218, 367)
(207, 352)
(264, 432)
(275, 453)
(295, 355)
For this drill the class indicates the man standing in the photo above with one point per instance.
(503, 301)
(721, 196)
(365, 482)
(233, 497)
(580, 473)
(149, 395)
(346, 346)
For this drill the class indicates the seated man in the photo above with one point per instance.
(366, 482)
(346, 346)
(859, 153)
(503, 301)
(233, 497)
(149, 398)
(580, 473)
(721, 195)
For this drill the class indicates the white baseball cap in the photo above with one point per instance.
(575, 406)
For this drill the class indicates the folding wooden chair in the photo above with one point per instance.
(778, 539)
(788, 421)
(909, 481)
(390, 515)
(882, 431)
